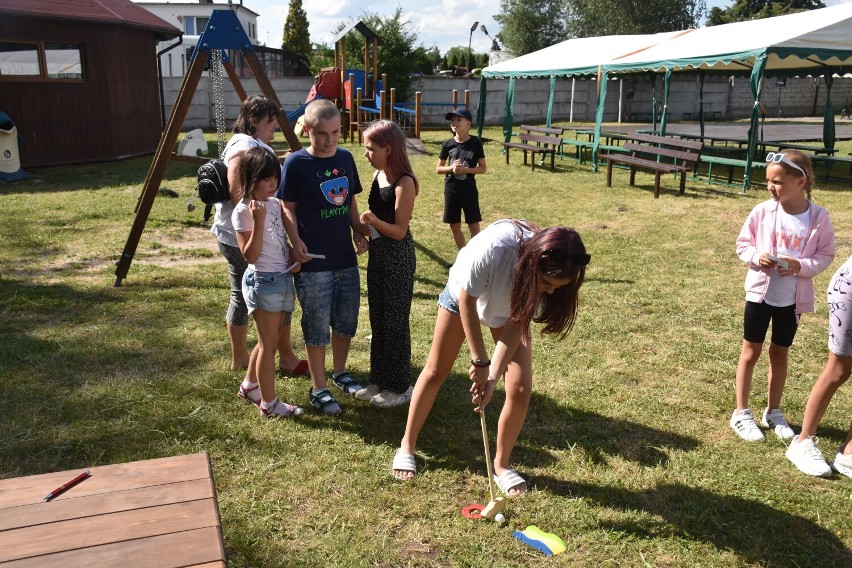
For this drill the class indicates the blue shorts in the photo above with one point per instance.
(269, 291)
(328, 299)
(449, 302)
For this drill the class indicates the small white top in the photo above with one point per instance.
(484, 269)
(275, 252)
(791, 232)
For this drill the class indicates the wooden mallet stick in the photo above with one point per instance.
(496, 504)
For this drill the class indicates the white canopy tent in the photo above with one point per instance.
(816, 42)
(570, 58)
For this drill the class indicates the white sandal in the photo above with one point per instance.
(508, 480)
(403, 462)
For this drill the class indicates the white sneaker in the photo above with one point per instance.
(775, 421)
(368, 392)
(842, 464)
(745, 427)
(389, 399)
(807, 457)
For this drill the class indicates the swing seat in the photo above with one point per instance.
(193, 142)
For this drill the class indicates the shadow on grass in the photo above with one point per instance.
(756, 532)
(439, 260)
(95, 176)
(452, 438)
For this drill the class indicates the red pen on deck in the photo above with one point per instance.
(65, 486)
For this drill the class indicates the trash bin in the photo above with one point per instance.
(10, 157)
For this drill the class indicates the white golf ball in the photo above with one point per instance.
(499, 518)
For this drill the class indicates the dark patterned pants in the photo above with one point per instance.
(390, 288)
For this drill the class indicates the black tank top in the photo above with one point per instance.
(382, 200)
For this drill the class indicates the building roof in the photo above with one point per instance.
(104, 11)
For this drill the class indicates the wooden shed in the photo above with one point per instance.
(79, 78)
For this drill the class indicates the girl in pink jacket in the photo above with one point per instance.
(785, 241)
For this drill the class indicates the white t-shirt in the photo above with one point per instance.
(274, 253)
(222, 227)
(484, 269)
(791, 232)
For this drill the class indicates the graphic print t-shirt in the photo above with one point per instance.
(469, 152)
(322, 189)
(791, 232)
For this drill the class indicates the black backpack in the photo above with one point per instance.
(212, 183)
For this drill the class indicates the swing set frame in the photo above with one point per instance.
(223, 32)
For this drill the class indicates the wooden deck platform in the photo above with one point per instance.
(154, 513)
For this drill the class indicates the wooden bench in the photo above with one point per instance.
(829, 161)
(159, 512)
(648, 152)
(730, 163)
(534, 144)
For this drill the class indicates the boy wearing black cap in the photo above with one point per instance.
(466, 159)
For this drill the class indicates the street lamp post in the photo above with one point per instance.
(472, 28)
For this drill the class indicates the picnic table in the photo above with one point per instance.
(153, 513)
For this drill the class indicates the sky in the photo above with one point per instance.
(441, 23)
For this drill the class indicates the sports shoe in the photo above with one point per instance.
(775, 421)
(806, 456)
(278, 409)
(346, 383)
(389, 399)
(251, 394)
(842, 463)
(368, 392)
(745, 427)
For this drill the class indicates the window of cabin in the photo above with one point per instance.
(63, 60)
(41, 59)
(19, 59)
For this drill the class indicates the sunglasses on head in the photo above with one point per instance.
(558, 255)
(779, 158)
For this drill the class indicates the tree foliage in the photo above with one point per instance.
(296, 36)
(588, 18)
(743, 10)
(530, 25)
(399, 57)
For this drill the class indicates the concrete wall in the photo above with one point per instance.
(724, 99)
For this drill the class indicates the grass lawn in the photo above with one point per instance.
(626, 447)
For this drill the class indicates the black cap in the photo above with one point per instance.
(459, 111)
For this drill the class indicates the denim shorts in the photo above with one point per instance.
(449, 302)
(328, 299)
(269, 291)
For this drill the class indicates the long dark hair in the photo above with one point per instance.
(255, 107)
(256, 164)
(557, 252)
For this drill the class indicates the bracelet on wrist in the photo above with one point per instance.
(480, 363)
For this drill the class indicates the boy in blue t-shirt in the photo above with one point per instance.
(318, 188)
(466, 159)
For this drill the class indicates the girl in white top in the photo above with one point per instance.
(785, 242)
(268, 283)
(508, 276)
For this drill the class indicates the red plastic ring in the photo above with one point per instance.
(472, 511)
